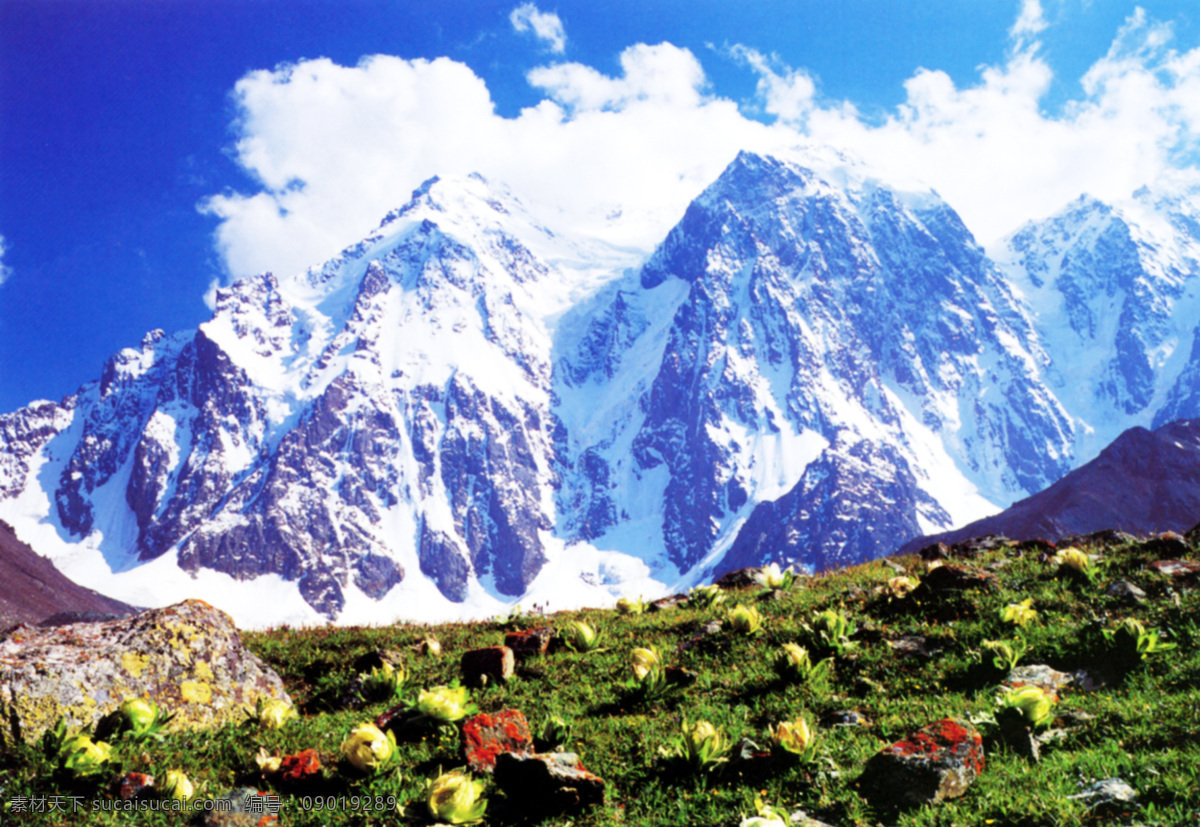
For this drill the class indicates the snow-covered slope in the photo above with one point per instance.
(466, 410)
(1115, 292)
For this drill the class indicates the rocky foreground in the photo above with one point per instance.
(988, 681)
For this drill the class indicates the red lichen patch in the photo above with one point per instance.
(487, 736)
(133, 785)
(301, 766)
(936, 762)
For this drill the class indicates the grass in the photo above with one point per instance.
(1143, 726)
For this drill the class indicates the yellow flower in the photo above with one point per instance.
(793, 736)
(626, 606)
(1032, 702)
(368, 749)
(267, 763)
(744, 619)
(178, 786)
(901, 586)
(1019, 614)
(771, 576)
(644, 661)
(581, 637)
(274, 713)
(445, 703)
(1074, 559)
(703, 746)
(456, 799)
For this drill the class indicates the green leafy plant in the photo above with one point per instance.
(383, 683)
(1031, 705)
(830, 631)
(1005, 654)
(1019, 614)
(581, 637)
(796, 737)
(272, 713)
(793, 664)
(705, 597)
(626, 606)
(649, 673)
(701, 746)
(1130, 642)
(368, 749)
(141, 719)
(744, 620)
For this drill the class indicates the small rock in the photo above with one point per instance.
(738, 579)
(972, 547)
(912, 645)
(748, 750)
(801, 819)
(670, 602)
(1125, 591)
(937, 762)
(1039, 675)
(549, 783)
(1109, 797)
(1075, 717)
(896, 567)
(1178, 570)
(486, 735)
(1088, 681)
(530, 642)
(845, 717)
(493, 663)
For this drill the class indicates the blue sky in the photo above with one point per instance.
(149, 148)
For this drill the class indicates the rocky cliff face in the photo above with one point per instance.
(465, 408)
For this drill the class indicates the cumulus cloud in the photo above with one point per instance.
(545, 26)
(334, 147)
(5, 270)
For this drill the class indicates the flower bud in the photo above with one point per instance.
(368, 749)
(455, 799)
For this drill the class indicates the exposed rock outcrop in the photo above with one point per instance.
(187, 658)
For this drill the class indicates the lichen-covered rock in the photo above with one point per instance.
(936, 762)
(1181, 571)
(487, 735)
(1050, 681)
(187, 658)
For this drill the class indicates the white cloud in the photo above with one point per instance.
(336, 147)
(545, 26)
(1030, 22)
(5, 270)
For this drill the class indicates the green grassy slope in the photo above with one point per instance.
(1143, 726)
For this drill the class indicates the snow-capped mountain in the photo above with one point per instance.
(467, 409)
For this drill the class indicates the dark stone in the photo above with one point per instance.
(950, 579)
(1037, 546)
(550, 784)
(911, 645)
(739, 579)
(1166, 545)
(937, 762)
(494, 663)
(935, 551)
(486, 736)
(1109, 798)
(678, 676)
(976, 545)
(529, 642)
